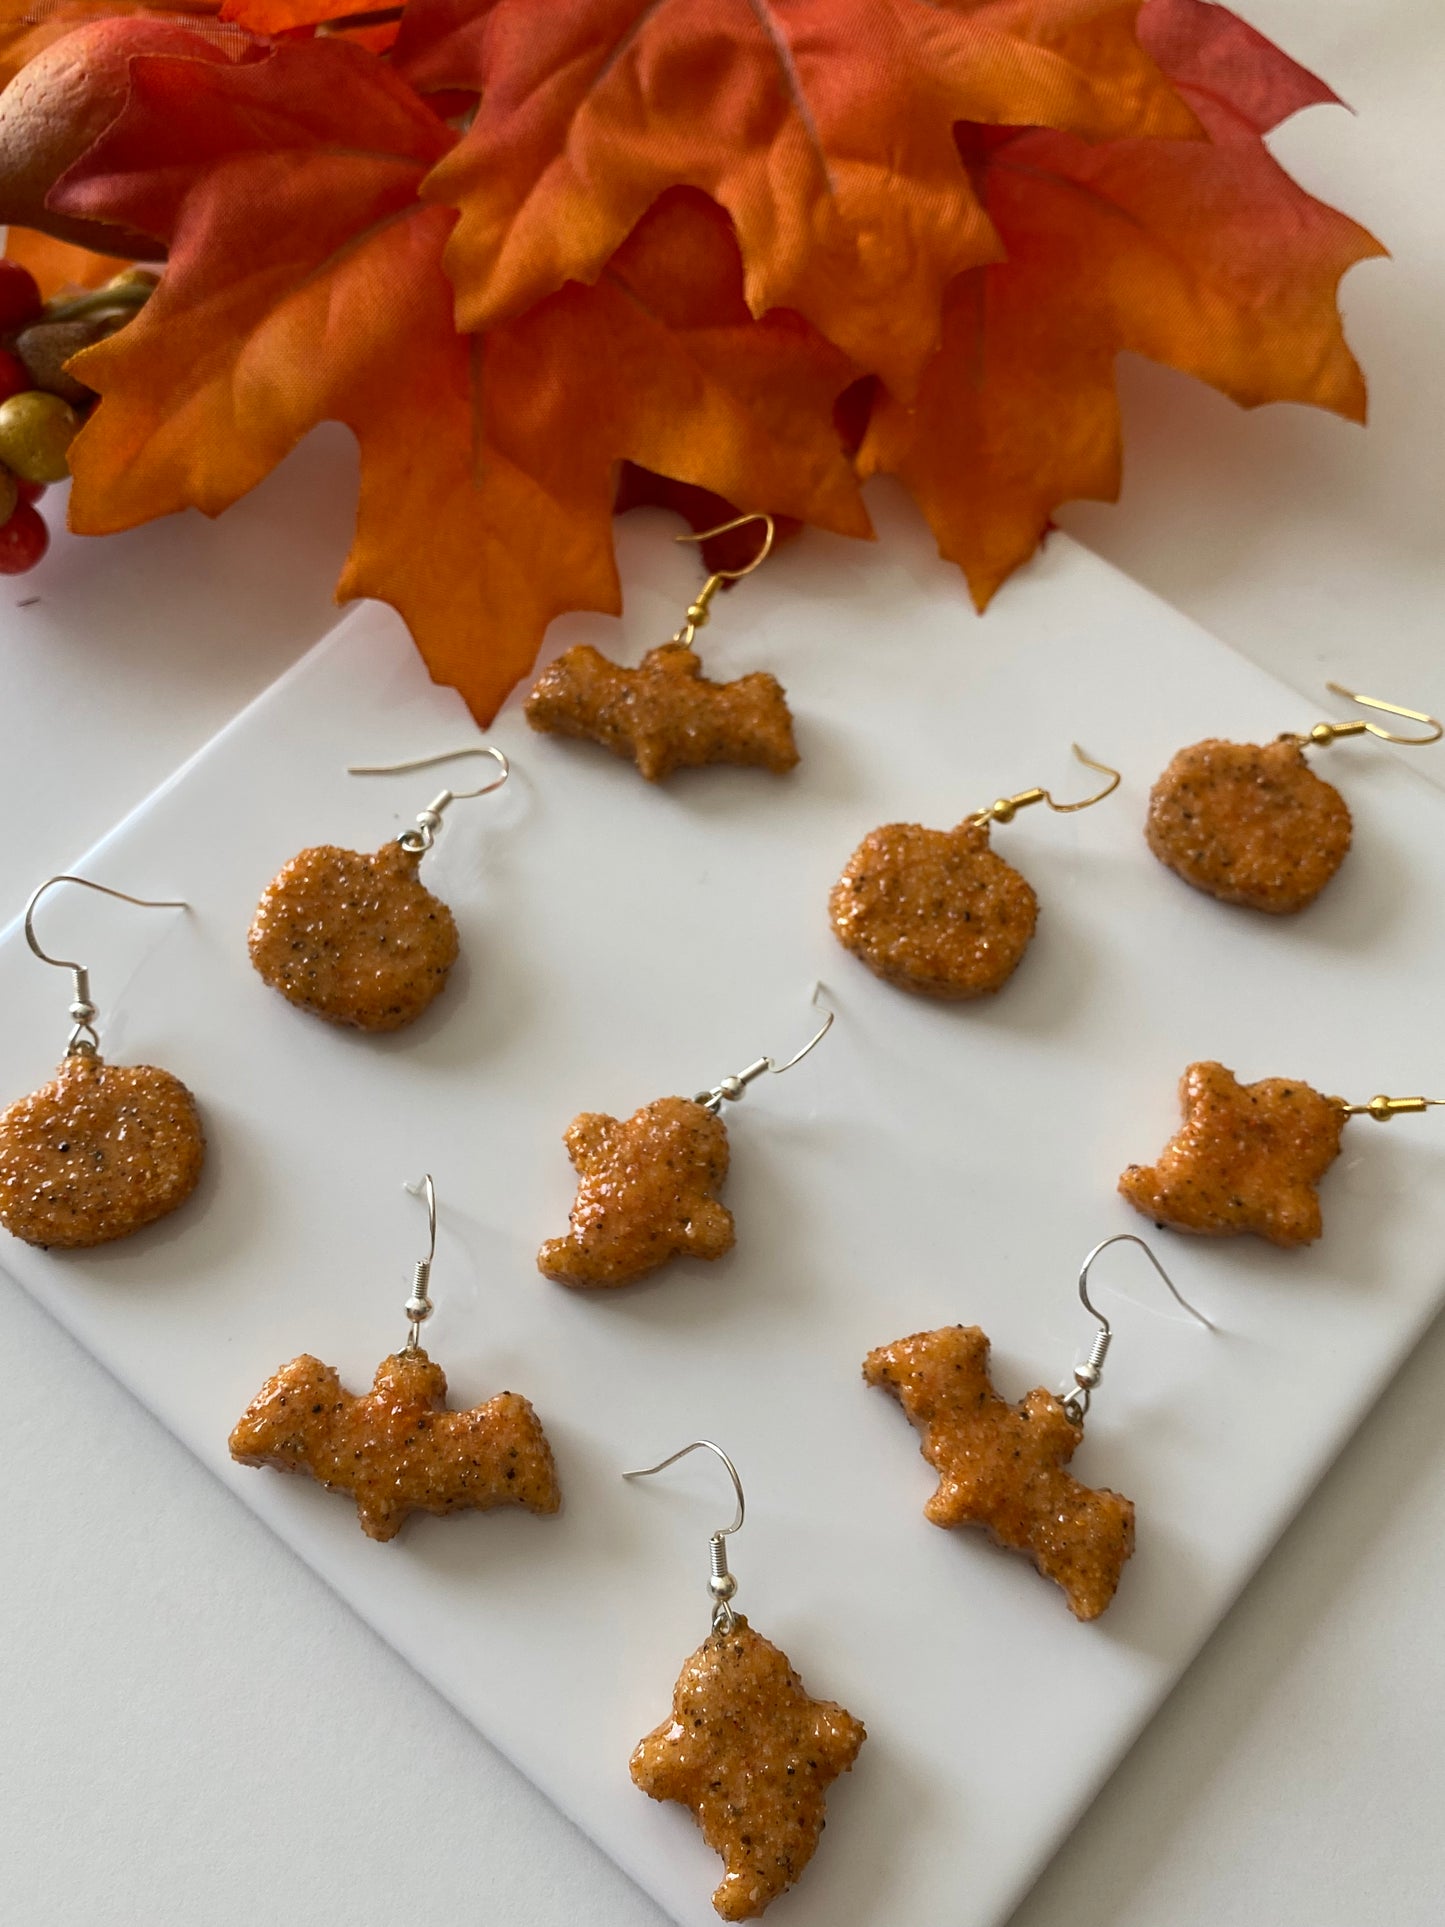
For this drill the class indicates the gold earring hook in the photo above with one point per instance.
(697, 613)
(1382, 1108)
(1005, 808)
(721, 1584)
(1323, 734)
(83, 1038)
(1075, 1398)
(428, 822)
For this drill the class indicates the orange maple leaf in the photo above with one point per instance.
(824, 127)
(60, 267)
(1202, 255)
(305, 283)
(27, 27)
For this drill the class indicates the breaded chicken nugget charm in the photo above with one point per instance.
(1249, 1157)
(936, 911)
(745, 1746)
(104, 1148)
(400, 1448)
(359, 939)
(647, 1185)
(1251, 823)
(665, 715)
(1005, 1467)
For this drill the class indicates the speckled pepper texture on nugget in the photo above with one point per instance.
(1249, 823)
(753, 1757)
(936, 912)
(101, 1151)
(646, 1192)
(1248, 1157)
(1002, 1466)
(355, 939)
(664, 715)
(397, 1449)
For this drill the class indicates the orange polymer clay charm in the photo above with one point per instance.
(746, 1748)
(665, 715)
(1249, 1157)
(104, 1149)
(647, 1185)
(1252, 823)
(1004, 1467)
(358, 939)
(400, 1448)
(938, 912)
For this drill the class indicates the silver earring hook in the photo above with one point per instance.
(83, 1039)
(721, 1584)
(428, 822)
(419, 1306)
(1075, 1399)
(731, 1089)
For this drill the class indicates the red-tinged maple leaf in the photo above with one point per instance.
(305, 283)
(27, 27)
(1202, 255)
(824, 127)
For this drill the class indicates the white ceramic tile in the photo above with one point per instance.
(926, 1165)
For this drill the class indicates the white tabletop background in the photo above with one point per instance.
(194, 1730)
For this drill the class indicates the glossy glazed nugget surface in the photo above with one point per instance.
(936, 912)
(1248, 1157)
(397, 1449)
(97, 1153)
(752, 1756)
(1249, 823)
(1002, 1466)
(356, 939)
(646, 1192)
(664, 715)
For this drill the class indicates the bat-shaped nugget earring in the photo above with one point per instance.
(1005, 1467)
(399, 1448)
(665, 715)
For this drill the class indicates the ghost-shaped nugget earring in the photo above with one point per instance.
(1251, 823)
(359, 939)
(104, 1148)
(647, 1185)
(1250, 1157)
(937, 912)
(745, 1747)
(1005, 1467)
(665, 715)
(399, 1448)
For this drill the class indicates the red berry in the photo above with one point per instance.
(20, 301)
(29, 491)
(14, 375)
(23, 540)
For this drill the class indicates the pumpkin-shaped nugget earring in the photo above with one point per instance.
(358, 939)
(745, 1747)
(1004, 1467)
(105, 1148)
(936, 911)
(1249, 1157)
(1251, 823)
(665, 715)
(647, 1185)
(399, 1448)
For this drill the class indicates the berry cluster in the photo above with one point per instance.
(41, 406)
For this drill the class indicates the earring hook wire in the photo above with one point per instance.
(731, 1089)
(1005, 808)
(699, 609)
(1436, 727)
(419, 1306)
(82, 1010)
(429, 820)
(722, 1585)
(1076, 1398)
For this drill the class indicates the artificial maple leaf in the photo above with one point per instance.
(824, 127)
(27, 27)
(1204, 255)
(487, 466)
(58, 266)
